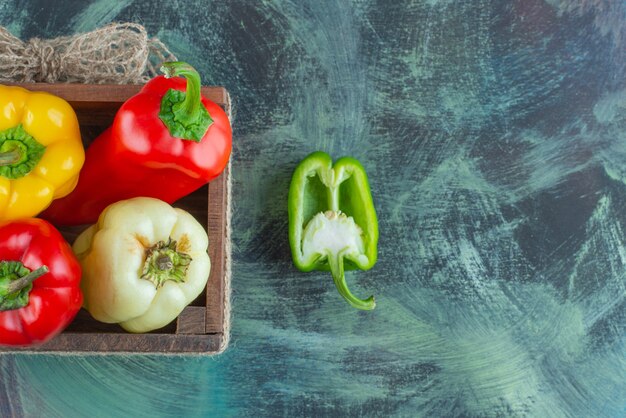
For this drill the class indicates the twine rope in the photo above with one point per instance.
(228, 261)
(118, 53)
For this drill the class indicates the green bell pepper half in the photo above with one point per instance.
(332, 220)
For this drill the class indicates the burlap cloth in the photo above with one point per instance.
(119, 53)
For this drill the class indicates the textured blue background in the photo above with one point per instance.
(494, 134)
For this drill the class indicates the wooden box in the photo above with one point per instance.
(200, 327)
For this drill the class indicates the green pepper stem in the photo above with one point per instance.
(10, 157)
(183, 113)
(22, 282)
(188, 110)
(335, 261)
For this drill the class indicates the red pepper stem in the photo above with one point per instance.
(335, 261)
(10, 157)
(22, 282)
(188, 111)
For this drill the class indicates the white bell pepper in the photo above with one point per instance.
(143, 262)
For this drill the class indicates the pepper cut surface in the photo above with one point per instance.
(332, 220)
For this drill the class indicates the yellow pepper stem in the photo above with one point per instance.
(10, 157)
(19, 152)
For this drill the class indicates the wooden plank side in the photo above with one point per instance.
(79, 343)
(217, 236)
(191, 320)
(96, 104)
(97, 94)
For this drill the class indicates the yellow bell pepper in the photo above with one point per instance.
(41, 152)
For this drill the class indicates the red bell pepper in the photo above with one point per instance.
(165, 142)
(39, 282)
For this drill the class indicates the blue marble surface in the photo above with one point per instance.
(494, 135)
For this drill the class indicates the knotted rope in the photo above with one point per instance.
(119, 53)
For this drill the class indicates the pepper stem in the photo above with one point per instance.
(22, 282)
(183, 113)
(164, 262)
(335, 261)
(19, 152)
(16, 284)
(10, 157)
(187, 110)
